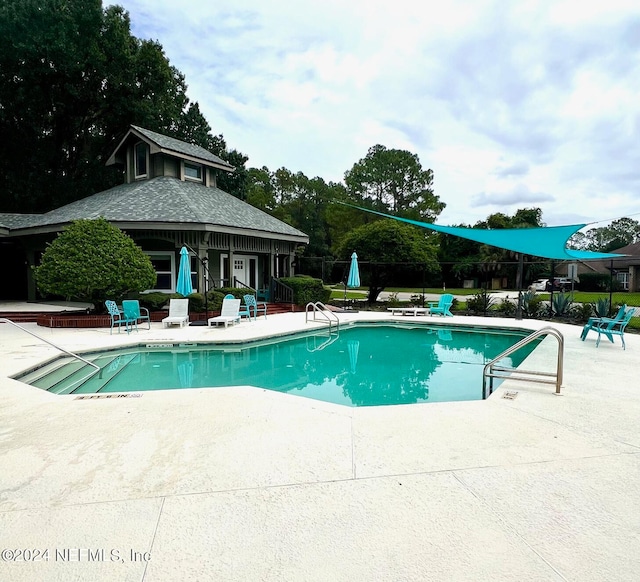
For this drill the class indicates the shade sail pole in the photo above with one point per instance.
(519, 279)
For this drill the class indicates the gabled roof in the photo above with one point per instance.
(169, 145)
(170, 203)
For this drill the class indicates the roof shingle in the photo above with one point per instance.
(180, 147)
(164, 200)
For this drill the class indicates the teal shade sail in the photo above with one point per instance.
(548, 241)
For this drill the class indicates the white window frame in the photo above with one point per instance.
(623, 279)
(135, 160)
(197, 167)
(173, 273)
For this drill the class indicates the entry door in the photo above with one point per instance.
(240, 270)
(244, 268)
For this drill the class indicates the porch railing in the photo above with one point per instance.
(279, 292)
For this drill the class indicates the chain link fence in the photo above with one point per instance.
(537, 288)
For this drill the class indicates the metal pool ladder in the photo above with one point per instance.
(321, 308)
(87, 362)
(492, 370)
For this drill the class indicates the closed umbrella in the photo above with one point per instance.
(184, 286)
(353, 346)
(354, 275)
(185, 374)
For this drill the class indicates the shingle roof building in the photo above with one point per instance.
(170, 199)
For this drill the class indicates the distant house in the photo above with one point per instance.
(168, 199)
(626, 270)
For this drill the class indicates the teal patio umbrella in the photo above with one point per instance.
(184, 286)
(353, 280)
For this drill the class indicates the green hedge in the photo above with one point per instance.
(307, 289)
(597, 282)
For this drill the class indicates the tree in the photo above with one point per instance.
(468, 258)
(389, 246)
(298, 200)
(618, 234)
(394, 181)
(92, 261)
(72, 80)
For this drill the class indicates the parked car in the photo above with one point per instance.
(559, 284)
(539, 285)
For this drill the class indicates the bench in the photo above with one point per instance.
(408, 310)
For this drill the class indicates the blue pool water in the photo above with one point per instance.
(364, 365)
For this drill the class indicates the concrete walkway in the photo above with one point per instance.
(244, 484)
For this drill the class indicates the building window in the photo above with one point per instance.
(164, 265)
(193, 172)
(141, 160)
(623, 279)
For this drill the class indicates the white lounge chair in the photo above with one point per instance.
(415, 311)
(178, 313)
(229, 314)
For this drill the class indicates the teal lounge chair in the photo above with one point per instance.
(593, 322)
(133, 312)
(443, 306)
(613, 327)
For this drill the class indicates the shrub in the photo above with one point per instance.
(91, 260)
(480, 302)
(307, 289)
(562, 303)
(196, 301)
(237, 292)
(393, 300)
(532, 305)
(417, 300)
(506, 307)
(153, 301)
(582, 311)
(214, 299)
(602, 307)
(597, 282)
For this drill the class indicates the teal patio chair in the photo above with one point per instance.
(612, 327)
(133, 312)
(442, 307)
(251, 304)
(118, 317)
(593, 322)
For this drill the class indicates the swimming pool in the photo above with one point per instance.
(363, 365)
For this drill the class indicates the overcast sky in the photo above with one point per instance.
(512, 104)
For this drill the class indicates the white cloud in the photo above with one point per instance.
(522, 102)
(517, 197)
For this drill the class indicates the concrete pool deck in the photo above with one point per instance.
(245, 484)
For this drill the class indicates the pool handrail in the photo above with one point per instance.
(87, 362)
(491, 368)
(319, 307)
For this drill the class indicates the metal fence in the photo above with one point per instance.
(593, 293)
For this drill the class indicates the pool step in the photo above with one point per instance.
(110, 368)
(68, 375)
(42, 371)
